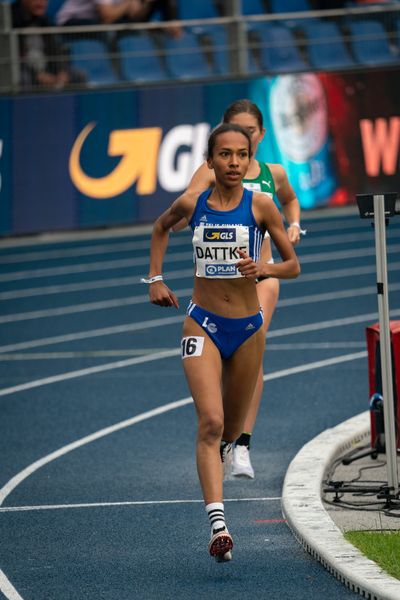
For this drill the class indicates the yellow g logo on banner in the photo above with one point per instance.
(138, 149)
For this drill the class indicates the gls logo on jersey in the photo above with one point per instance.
(145, 158)
(221, 235)
(220, 270)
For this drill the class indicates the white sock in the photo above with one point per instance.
(215, 512)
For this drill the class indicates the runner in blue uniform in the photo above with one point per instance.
(272, 180)
(223, 339)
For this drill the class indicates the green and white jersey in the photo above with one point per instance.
(264, 182)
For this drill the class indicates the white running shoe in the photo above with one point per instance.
(241, 464)
(220, 545)
(227, 459)
(224, 557)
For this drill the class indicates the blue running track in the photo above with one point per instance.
(99, 497)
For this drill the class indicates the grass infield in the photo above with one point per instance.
(383, 547)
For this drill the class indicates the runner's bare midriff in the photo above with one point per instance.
(234, 298)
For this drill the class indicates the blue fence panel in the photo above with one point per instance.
(5, 167)
(103, 166)
(43, 195)
(119, 157)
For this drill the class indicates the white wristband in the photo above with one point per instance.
(296, 224)
(152, 279)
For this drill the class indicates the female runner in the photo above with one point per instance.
(223, 337)
(269, 179)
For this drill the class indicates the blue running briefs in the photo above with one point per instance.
(227, 334)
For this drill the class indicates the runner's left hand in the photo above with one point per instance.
(247, 267)
(293, 234)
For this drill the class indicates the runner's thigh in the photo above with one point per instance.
(203, 368)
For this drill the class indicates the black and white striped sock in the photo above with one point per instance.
(215, 512)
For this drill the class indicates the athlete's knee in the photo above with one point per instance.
(211, 428)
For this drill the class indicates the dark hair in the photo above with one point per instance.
(243, 106)
(224, 128)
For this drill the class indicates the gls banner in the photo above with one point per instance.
(104, 158)
(146, 159)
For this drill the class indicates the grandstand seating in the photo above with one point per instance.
(281, 6)
(325, 45)
(278, 50)
(92, 57)
(253, 7)
(197, 9)
(369, 43)
(140, 59)
(274, 47)
(185, 58)
(216, 38)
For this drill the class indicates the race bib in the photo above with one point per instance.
(192, 346)
(216, 249)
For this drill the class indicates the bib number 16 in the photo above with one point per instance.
(192, 346)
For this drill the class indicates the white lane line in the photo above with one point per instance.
(178, 274)
(350, 219)
(124, 263)
(319, 364)
(126, 503)
(181, 293)
(120, 364)
(343, 238)
(5, 585)
(25, 473)
(129, 327)
(302, 346)
(102, 331)
(84, 354)
(342, 254)
(297, 329)
(87, 250)
(89, 285)
(86, 307)
(336, 295)
(15, 356)
(120, 247)
(57, 237)
(175, 257)
(338, 273)
(7, 588)
(22, 475)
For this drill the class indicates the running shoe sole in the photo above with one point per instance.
(241, 474)
(220, 544)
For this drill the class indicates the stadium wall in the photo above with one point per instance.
(104, 158)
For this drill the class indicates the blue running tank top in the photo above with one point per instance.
(217, 235)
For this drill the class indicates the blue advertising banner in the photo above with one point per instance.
(298, 137)
(105, 157)
(5, 167)
(118, 157)
(43, 196)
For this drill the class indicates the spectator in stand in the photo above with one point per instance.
(91, 12)
(38, 53)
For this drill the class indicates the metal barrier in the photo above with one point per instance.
(34, 59)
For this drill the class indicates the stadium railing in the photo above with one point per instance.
(232, 47)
